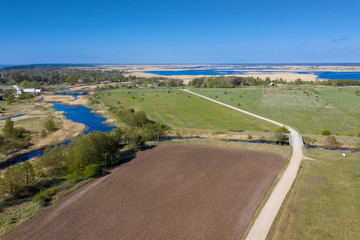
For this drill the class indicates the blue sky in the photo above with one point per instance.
(186, 31)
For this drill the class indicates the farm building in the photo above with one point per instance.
(26, 90)
(31, 90)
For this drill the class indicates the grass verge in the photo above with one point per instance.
(324, 200)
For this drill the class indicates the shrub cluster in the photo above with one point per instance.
(13, 138)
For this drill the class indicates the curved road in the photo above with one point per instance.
(268, 213)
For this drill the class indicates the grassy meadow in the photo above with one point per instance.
(181, 110)
(307, 109)
(324, 202)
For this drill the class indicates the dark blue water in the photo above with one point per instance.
(13, 116)
(193, 67)
(63, 90)
(209, 72)
(81, 114)
(338, 75)
(74, 95)
(182, 138)
(333, 149)
(76, 113)
(232, 71)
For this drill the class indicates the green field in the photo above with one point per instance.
(181, 110)
(306, 109)
(324, 202)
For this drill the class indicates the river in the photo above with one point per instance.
(75, 113)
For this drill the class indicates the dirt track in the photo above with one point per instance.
(268, 213)
(173, 191)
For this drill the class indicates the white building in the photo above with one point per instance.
(26, 90)
(31, 90)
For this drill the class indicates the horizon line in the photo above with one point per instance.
(252, 63)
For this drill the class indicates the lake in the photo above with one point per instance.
(242, 70)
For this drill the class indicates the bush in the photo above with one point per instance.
(326, 132)
(358, 134)
(73, 178)
(49, 125)
(39, 198)
(137, 143)
(45, 196)
(331, 142)
(19, 132)
(43, 133)
(217, 132)
(178, 134)
(92, 170)
(284, 129)
(280, 136)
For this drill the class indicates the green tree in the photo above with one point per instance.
(326, 132)
(28, 174)
(116, 134)
(49, 125)
(54, 159)
(91, 149)
(18, 177)
(8, 128)
(152, 131)
(137, 143)
(280, 136)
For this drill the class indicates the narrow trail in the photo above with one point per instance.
(268, 213)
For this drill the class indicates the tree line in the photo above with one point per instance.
(228, 82)
(82, 158)
(236, 81)
(35, 76)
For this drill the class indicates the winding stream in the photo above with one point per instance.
(75, 113)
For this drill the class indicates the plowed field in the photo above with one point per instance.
(173, 191)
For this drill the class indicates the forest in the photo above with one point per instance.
(35, 76)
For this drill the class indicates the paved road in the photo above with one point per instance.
(268, 213)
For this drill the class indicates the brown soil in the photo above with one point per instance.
(174, 191)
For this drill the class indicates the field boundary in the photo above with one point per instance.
(268, 213)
